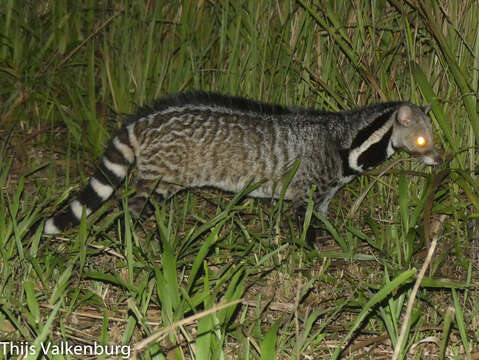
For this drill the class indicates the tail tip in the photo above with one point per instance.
(50, 228)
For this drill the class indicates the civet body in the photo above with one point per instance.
(204, 139)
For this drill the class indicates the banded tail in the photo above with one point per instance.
(113, 169)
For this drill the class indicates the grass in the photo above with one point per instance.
(222, 276)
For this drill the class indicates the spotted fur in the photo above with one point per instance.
(205, 139)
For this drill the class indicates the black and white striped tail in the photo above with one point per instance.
(109, 175)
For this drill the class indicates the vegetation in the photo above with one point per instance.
(222, 276)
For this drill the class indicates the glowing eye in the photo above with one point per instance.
(421, 141)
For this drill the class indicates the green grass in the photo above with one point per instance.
(221, 276)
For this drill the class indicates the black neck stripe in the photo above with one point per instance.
(377, 153)
(368, 130)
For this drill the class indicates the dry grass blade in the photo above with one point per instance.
(412, 298)
(140, 346)
(93, 34)
(437, 180)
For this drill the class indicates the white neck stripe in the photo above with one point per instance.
(371, 140)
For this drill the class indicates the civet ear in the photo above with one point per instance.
(426, 109)
(404, 115)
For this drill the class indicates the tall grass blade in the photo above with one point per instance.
(32, 302)
(44, 333)
(382, 294)
(461, 324)
(205, 247)
(268, 345)
(433, 100)
(460, 77)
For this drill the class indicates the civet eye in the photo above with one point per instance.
(421, 141)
